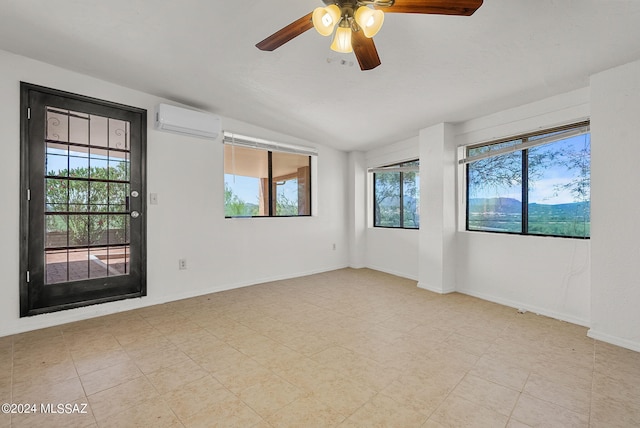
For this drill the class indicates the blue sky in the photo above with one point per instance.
(544, 190)
(248, 188)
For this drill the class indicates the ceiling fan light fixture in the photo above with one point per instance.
(342, 40)
(369, 20)
(325, 19)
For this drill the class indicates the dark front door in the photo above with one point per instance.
(83, 228)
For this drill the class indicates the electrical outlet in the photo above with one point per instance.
(182, 264)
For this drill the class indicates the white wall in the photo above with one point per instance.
(615, 267)
(550, 276)
(389, 250)
(188, 221)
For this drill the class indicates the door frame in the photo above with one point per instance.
(27, 305)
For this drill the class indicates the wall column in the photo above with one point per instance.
(357, 203)
(436, 265)
(615, 230)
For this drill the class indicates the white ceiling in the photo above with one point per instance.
(434, 68)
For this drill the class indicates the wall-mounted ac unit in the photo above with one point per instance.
(187, 122)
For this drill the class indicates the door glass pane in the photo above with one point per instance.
(88, 168)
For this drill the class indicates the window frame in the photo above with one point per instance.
(396, 168)
(270, 147)
(526, 144)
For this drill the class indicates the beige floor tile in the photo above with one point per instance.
(100, 361)
(607, 412)
(343, 395)
(276, 356)
(459, 412)
(424, 397)
(468, 344)
(82, 339)
(517, 424)
(242, 374)
(168, 357)
(173, 377)
(495, 397)
(558, 392)
(354, 344)
(217, 357)
(109, 377)
(536, 412)
(35, 338)
(75, 417)
(40, 352)
(503, 371)
(432, 424)
(5, 418)
(269, 395)
(95, 348)
(307, 374)
(231, 412)
(149, 414)
(624, 390)
(383, 411)
(187, 332)
(44, 371)
(121, 397)
(196, 396)
(306, 412)
(137, 333)
(68, 391)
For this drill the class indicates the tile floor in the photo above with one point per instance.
(349, 348)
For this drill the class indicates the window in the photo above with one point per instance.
(396, 200)
(266, 179)
(534, 184)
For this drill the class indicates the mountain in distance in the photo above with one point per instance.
(496, 205)
(514, 206)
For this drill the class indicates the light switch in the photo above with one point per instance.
(153, 198)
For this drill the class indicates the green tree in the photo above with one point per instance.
(81, 197)
(236, 207)
(285, 206)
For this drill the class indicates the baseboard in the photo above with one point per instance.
(392, 272)
(529, 308)
(435, 289)
(36, 322)
(614, 340)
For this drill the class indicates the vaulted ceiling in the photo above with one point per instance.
(434, 68)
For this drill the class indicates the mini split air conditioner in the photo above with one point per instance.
(187, 122)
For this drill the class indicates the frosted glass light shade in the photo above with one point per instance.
(342, 40)
(369, 20)
(325, 19)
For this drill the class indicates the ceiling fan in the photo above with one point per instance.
(357, 21)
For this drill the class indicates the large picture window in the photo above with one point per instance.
(396, 195)
(266, 179)
(534, 184)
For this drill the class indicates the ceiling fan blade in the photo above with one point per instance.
(437, 7)
(365, 51)
(289, 32)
